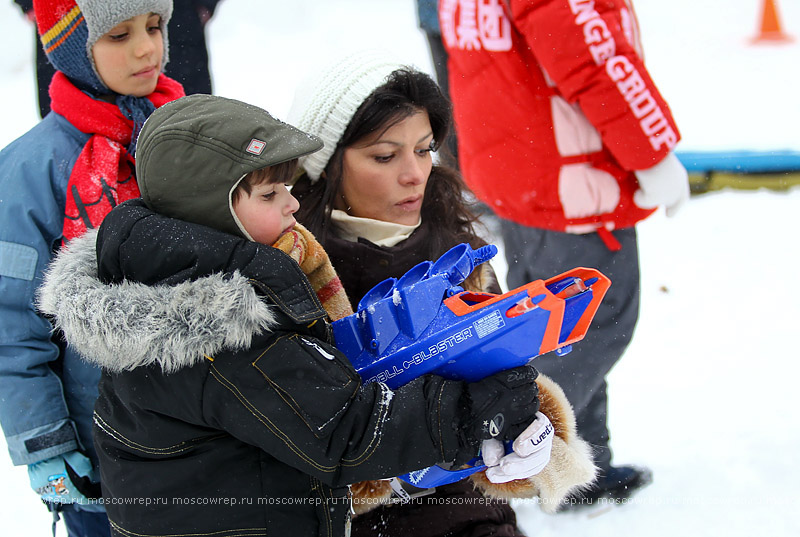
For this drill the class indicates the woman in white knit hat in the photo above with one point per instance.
(378, 203)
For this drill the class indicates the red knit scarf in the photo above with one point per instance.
(103, 176)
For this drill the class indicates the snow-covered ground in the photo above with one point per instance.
(706, 394)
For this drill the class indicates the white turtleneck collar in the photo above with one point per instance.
(375, 231)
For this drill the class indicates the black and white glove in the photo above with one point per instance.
(530, 455)
(499, 407)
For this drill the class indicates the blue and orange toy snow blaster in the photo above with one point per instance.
(424, 322)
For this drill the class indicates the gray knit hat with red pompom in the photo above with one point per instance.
(326, 101)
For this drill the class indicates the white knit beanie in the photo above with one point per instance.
(324, 103)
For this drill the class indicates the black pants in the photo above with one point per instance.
(82, 523)
(539, 254)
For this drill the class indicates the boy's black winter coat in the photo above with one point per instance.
(222, 412)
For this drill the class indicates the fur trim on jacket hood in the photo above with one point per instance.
(120, 327)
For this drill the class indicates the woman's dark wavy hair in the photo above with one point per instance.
(444, 206)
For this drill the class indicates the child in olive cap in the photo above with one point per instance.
(224, 407)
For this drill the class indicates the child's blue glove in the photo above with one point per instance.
(66, 478)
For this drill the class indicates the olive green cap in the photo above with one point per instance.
(192, 152)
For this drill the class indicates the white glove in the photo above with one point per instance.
(666, 183)
(531, 453)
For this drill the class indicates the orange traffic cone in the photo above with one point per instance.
(770, 25)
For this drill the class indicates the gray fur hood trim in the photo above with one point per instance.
(123, 326)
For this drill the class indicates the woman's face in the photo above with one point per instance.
(384, 176)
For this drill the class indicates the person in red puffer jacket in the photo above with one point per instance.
(563, 133)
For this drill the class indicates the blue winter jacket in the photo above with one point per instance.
(47, 392)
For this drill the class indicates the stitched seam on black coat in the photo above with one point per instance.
(275, 430)
(170, 450)
(288, 399)
(369, 450)
(316, 485)
(243, 532)
(316, 313)
(439, 419)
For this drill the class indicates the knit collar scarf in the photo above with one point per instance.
(103, 175)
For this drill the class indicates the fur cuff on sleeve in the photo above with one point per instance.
(571, 467)
(367, 495)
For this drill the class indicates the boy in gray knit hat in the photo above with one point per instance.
(69, 29)
(224, 407)
(58, 180)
